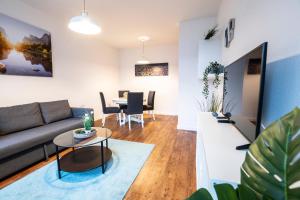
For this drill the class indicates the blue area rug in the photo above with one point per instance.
(127, 160)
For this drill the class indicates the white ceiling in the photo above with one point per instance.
(122, 21)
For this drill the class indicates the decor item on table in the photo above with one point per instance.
(82, 133)
(24, 49)
(87, 122)
(271, 168)
(83, 24)
(211, 33)
(213, 68)
(155, 69)
(229, 32)
(143, 60)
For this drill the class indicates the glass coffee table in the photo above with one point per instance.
(87, 154)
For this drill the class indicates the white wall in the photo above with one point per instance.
(166, 87)
(82, 65)
(190, 85)
(257, 21)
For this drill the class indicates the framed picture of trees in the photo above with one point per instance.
(24, 49)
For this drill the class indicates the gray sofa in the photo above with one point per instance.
(27, 132)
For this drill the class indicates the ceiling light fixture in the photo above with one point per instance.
(143, 60)
(83, 24)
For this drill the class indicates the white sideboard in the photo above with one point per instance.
(217, 158)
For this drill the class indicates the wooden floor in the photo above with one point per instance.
(169, 172)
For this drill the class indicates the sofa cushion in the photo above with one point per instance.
(20, 117)
(55, 111)
(17, 142)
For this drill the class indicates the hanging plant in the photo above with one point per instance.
(211, 33)
(213, 68)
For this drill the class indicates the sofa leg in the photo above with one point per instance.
(46, 152)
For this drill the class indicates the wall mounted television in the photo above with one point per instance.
(244, 89)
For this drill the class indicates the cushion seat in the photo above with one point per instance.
(147, 107)
(109, 110)
(19, 141)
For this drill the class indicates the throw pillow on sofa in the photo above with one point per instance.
(19, 118)
(55, 111)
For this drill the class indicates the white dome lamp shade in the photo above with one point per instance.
(143, 60)
(83, 24)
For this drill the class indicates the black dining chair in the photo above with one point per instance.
(123, 94)
(109, 110)
(135, 107)
(150, 103)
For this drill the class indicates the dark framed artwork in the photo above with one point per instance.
(227, 44)
(24, 49)
(153, 69)
(229, 32)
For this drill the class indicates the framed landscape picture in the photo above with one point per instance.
(24, 49)
(155, 69)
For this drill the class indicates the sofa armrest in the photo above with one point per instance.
(80, 112)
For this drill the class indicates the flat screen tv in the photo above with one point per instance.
(243, 91)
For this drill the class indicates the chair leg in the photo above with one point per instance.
(142, 120)
(153, 116)
(103, 120)
(120, 119)
(129, 122)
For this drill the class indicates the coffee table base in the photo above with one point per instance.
(83, 159)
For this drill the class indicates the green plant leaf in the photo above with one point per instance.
(201, 194)
(226, 191)
(272, 165)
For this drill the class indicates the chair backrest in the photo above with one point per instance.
(151, 96)
(135, 103)
(121, 93)
(103, 102)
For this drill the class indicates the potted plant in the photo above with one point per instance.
(271, 168)
(213, 102)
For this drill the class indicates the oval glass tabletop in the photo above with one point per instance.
(67, 139)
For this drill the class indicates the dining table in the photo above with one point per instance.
(122, 101)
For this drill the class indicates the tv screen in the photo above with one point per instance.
(243, 91)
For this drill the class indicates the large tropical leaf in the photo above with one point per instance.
(272, 165)
(271, 170)
(201, 194)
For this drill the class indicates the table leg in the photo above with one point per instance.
(58, 163)
(106, 143)
(102, 157)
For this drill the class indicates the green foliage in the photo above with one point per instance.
(201, 194)
(213, 68)
(272, 164)
(271, 169)
(211, 33)
(212, 104)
